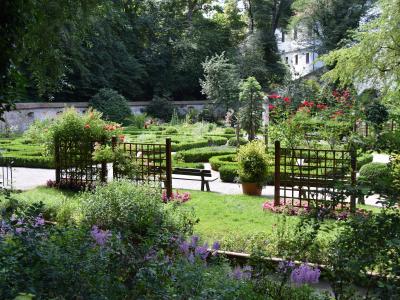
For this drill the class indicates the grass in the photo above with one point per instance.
(221, 215)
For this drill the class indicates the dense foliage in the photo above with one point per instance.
(112, 105)
(253, 163)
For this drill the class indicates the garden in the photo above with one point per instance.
(280, 185)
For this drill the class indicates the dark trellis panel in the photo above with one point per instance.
(6, 175)
(365, 130)
(153, 160)
(75, 166)
(305, 176)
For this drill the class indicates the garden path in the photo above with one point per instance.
(27, 178)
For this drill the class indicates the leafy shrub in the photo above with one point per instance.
(203, 154)
(253, 163)
(364, 159)
(387, 141)
(160, 107)
(229, 130)
(234, 143)
(228, 173)
(222, 160)
(171, 130)
(208, 141)
(134, 210)
(374, 171)
(38, 131)
(112, 105)
(376, 114)
(136, 120)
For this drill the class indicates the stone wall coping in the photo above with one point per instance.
(44, 105)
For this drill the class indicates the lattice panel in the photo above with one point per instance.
(311, 176)
(151, 160)
(75, 165)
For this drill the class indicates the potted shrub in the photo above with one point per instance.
(253, 167)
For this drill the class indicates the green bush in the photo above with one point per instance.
(221, 160)
(134, 210)
(160, 107)
(374, 170)
(229, 130)
(233, 141)
(209, 141)
(364, 159)
(228, 173)
(171, 130)
(253, 163)
(203, 154)
(135, 121)
(112, 105)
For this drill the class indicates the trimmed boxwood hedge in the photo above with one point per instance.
(228, 173)
(222, 160)
(28, 162)
(375, 171)
(233, 141)
(363, 159)
(203, 154)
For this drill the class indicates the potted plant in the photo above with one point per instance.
(253, 167)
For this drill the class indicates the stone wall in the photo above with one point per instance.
(19, 119)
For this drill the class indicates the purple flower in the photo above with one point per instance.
(242, 273)
(19, 230)
(216, 245)
(100, 236)
(191, 258)
(39, 221)
(283, 266)
(184, 247)
(194, 241)
(201, 251)
(305, 274)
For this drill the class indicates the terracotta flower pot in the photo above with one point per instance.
(252, 189)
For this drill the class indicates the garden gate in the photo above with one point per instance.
(304, 176)
(6, 175)
(153, 162)
(75, 167)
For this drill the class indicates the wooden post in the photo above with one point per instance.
(277, 173)
(57, 160)
(103, 172)
(366, 129)
(114, 142)
(353, 161)
(168, 180)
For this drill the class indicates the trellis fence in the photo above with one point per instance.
(6, 175)
(153, 162)
(75, 167)
(305, 177)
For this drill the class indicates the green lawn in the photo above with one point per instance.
(221, 215)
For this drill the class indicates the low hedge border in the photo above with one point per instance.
(222, 160)
(203, 154)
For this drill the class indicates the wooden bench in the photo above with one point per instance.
(196, 174)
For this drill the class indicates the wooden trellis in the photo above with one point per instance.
(153, 162)
(75, 167)
(305, 176)
(6, 175)
(364, 129)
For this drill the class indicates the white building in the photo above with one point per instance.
(297, 47)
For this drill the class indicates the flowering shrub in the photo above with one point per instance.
(305, 274)
(337, 213)
(176, 196)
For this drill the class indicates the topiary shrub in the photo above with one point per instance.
(160, 107)
(229, 130)
(234, 143)
(228, 173)
(171, 130)
(217, 162)
(377, 176)
(253, 163)
(363, 159)
(112, 105)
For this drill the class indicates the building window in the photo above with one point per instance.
(296, 59)
(295, 34)
(283, 37)
(307, 58)
(287, 59)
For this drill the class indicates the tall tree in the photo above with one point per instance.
(331, 21)
(373, 58)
